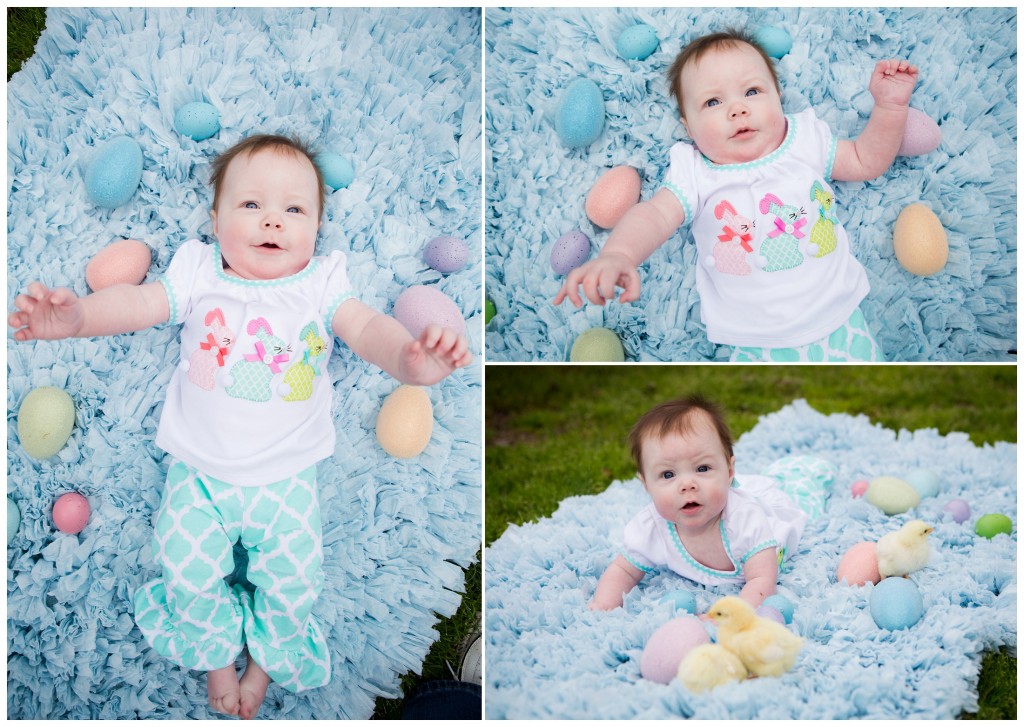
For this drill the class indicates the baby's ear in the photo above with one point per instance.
(213, 219)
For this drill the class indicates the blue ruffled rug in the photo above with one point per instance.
(536, 186)
(395, 91)
(548, 657)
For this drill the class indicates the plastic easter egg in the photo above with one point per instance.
(667, 647)
(895, 604)
(405, 422)
(45, 420)
(681, 601)
(120, 262)
(13, 519)
(637, 42)
(958, 509)
(919, 240)
(612, 195)
(446, 254)
(991, 525)
(925, 481)
(892, 495)
(859, 565)
(859, 488)
(921, 135)
(580, 117)
(771, 613)
(570, 251)
(197, 120)
(420, 305)
(708, 666)
(336, 170)
(71, 513)
(597, 344)
(114, 172)
(775, 41)
(490, 310)
(783, 604)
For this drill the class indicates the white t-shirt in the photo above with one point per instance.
(757, 515)
(250, 401)
(774, 263)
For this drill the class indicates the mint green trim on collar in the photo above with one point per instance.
(218, 266)
(681, 196)
(831, 157)
(333, 308)
(636, 565)
(763, 161)
(172, 299)
(700, 567)
(758, 548)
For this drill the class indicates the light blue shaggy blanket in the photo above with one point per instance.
(536, 186)
(395, 91)
(549, 657)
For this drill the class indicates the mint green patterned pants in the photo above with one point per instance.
(852, 341)
(806, 480)
(191, 616)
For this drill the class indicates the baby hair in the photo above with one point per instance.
(680, 416)
(253, 144)
(698, 47)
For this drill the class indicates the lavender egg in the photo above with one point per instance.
(420, 305)
(921, 135)
(958, 509)
(570, 251)
(771, 613)
(446, 254)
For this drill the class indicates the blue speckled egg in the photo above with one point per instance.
(775, 41)
(782, 604)
(13, 519)
(337, 171)
(896, 603)
(925, 481)
(197, 121)
(446, 254)
(637, 42)
(114, 172)
(580, 117)
(570, 251)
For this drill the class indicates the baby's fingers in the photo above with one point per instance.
(632, 287)
(25, 303)
(37, 290)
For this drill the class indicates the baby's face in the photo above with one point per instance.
(688, 477)
(268, 215)
(731, 108)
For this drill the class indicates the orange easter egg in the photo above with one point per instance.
(612, 195)
(859, 565)
(124, 261)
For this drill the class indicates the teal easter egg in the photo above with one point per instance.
(13, 519)
(925, 481)
(597, 344)
(896, 603)
(681, 601)
(782, 604)
(991, 525)
(892, 495)
(114, 172)
(637, 42)
(336, 170)
(580, 117)
(775, 41)
(197, 120)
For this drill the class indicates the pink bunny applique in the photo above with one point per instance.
(730, 252)
(212, 352)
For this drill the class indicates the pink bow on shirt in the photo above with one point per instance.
(744, 239)
(210, 344)
(261, 355)
(780, 228)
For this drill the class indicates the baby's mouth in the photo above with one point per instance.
(270, 246)
(690, 506)
(743, 133)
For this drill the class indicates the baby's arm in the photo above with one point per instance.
(386, 343)
(618, 579)
(45, 315)
(874, 150)
(641, 231)
(761, 572)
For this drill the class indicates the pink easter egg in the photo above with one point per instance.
(667, 647)
(120, 262)
(859, 565)
(612, 195)
(921, 135)
(420, 305)
(71, 513)
(859, 487)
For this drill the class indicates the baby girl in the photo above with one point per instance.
(247, 416)
(704, 522)
(776, 277)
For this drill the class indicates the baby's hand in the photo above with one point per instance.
(599, 278)
(892, 82)
(435, 354)
(45, 315)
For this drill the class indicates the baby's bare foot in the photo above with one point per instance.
(253, 688)
(222, 688)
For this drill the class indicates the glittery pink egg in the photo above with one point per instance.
(859, 487)
(859, 565)
(420, 305)
(667, 647)
(71, 513)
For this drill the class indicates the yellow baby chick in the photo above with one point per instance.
(766, 648)
(708, 666)
(905, 550)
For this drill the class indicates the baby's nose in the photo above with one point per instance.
(272, 221)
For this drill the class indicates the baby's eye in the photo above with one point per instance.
(752, 92)
(703, 468)
(712, 102)
(668, 475)
(295, 209)
(250, 205)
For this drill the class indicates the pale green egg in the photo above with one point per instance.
(45, 420)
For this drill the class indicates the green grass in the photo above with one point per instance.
(23, 28)
(556, 431)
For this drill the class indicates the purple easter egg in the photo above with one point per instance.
(667, 647)
(770, 612)
(859, 487)
(420, 305)
(958, 509)
(446, 254)
(570, 251)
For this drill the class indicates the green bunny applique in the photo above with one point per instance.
(299, 378)
(823, 234)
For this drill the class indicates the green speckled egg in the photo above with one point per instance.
(45, 421)
(989, 526)
(892, 495)
(597, 344)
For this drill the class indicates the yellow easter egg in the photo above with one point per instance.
(124, 261)
(892, 495)
(405, 422)
(612, 195)
(920, 241)
(45, 420)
